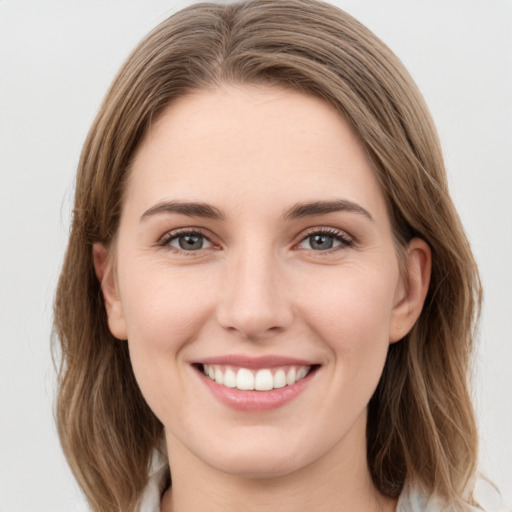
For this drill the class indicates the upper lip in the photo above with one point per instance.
(268, 361)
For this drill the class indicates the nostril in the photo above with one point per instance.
(254, 307)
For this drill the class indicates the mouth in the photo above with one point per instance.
(254, 379)
(255, 384)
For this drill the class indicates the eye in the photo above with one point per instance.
(325, 240)
(188, 241)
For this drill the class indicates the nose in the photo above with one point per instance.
(254, 300)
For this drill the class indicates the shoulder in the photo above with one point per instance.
(157, 480)
(413, 499)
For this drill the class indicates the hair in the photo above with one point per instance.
(421, 426)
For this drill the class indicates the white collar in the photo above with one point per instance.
(411, 500)
(158, 477)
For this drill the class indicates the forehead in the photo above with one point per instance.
(240, 144)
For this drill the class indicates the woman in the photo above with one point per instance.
(266, 277)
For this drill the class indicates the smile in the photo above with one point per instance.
(264, 379)
(252, 384)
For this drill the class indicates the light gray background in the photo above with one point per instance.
(57, 59)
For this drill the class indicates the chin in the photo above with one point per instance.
(253, 467)
(260, 460)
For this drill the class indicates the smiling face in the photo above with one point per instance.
(255, 251)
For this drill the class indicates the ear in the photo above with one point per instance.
(105, 274)
(412, 291)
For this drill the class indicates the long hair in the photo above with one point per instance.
(421, 427)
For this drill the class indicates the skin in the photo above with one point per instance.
(257, 287)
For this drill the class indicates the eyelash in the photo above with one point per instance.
(173, 235)
(339, 236)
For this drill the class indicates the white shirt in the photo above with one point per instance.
(409, 501)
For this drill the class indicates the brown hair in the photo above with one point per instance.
(421, 427)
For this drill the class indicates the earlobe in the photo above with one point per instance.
(113, 305)
(409, 303)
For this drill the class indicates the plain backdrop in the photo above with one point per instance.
(57, 59)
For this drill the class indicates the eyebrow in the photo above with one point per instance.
(300, 210)
(191, 209)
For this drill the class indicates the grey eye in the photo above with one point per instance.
(320, 242)
(189, 242)
(325, 241)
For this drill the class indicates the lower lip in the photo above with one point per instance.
(255, 400)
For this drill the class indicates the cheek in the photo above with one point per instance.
(358, 300)
(164, 313)
(164, 309)
(351, 314)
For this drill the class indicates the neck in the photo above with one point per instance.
(339, 481)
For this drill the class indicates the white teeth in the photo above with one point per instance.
(229, 379)
(259, 380)
(218, 376)
(290, 376)
(264, 380)
(244, 379)
(280, 379)
(302, 372)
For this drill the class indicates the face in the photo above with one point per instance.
(255, 251)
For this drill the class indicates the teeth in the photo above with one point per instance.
(218, 376)
(244, 379)
(229, 379)
(280, 379)
(259, 380)
(264, 380)
(302, 372)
